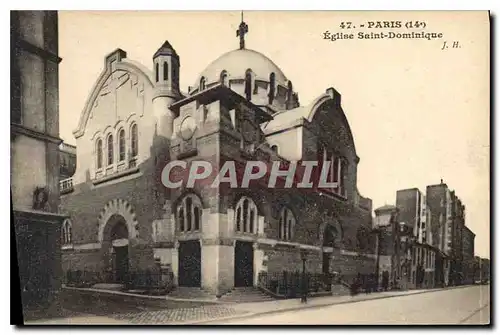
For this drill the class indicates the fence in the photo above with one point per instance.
(292, 284)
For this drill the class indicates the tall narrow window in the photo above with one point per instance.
(165, 71)
(202, 84)
(99, 153)
(189, 214)
(246, 216)
(66, 232)
(272, 87)
(110, 149)
(197, 218)
(287, 224)
(248, 85)
(275, 148)
(121, 144)
(157, 72)
(134, 140)
(251, 225)
(180, 218)
(238, 219)
(223, 78)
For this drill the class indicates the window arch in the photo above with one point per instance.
(223, 78)
(165, 71)
(189, 214)
(99, 153)
(286, 224)
(202, 83)
(275, 148)
(110, 149)
(66, 232)
(134, 140)
(246, 216)
(272, 87)
(248, 84)
(121, 145)
(157, 72)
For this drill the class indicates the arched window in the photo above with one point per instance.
(189, 214)
(99, 153)
(223, 78)
(275, 148)
(248, 85)
(157, 72)
(202, 84)
(272, 87)
(286, 224)
(66, 232)
(110, 149)
(121, 145)
(134, 140)
(246, 216)
(165, 71)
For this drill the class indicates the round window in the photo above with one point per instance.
(188, 126)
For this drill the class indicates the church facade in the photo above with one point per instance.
(241, 108)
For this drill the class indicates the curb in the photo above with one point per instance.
(290, 309)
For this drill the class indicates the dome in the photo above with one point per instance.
(236, 62)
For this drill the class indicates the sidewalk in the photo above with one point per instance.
(217, 313)
(247, 310)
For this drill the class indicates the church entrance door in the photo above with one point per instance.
(121, 264)
(190, 263)
(243, 264)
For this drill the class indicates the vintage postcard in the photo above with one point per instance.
(251, 168)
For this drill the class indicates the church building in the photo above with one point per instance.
(242, 107)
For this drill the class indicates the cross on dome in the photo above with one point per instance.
(242, 30)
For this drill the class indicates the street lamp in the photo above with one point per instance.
(377, 264)
(303, 256)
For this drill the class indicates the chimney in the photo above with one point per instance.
(441, 181)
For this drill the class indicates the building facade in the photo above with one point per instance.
(416, 221)
(241, 108)
(389, 246)
(35, 156)
(468, 255)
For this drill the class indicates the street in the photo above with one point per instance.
(468, 305)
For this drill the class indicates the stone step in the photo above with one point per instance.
(246, 294)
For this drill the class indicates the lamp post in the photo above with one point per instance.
(303, 299)
(377, 264)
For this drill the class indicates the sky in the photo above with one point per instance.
(418, 113)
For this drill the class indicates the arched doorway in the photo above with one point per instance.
(115, 239)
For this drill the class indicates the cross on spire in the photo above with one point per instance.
(242, 30)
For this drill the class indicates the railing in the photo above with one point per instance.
(66, 185)
(292, 284)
